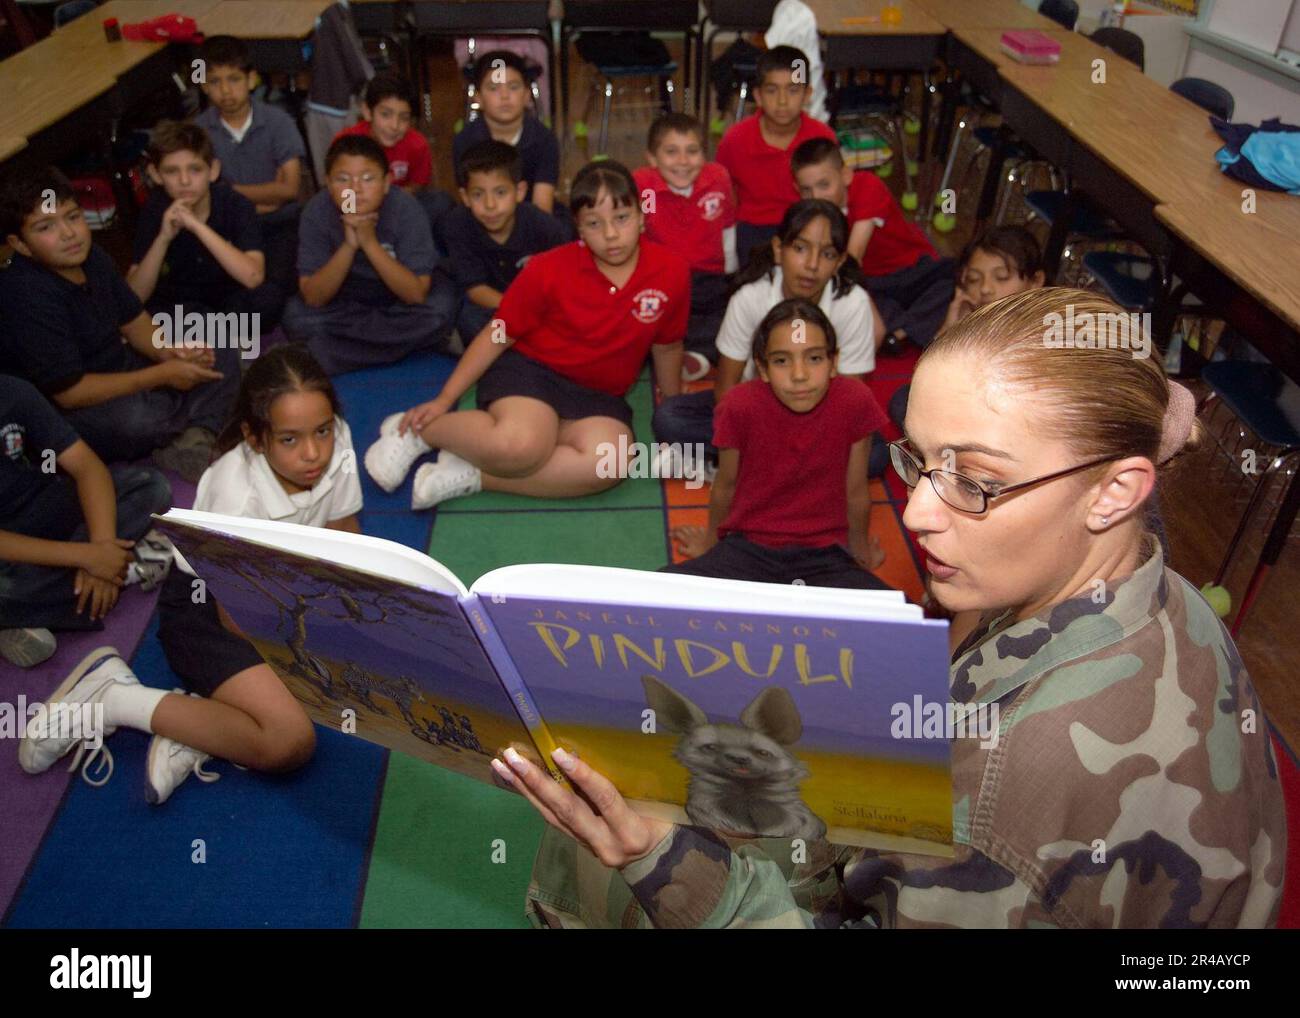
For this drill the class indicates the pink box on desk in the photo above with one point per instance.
(1031, 47)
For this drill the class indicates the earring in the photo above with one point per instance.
(1105, 521)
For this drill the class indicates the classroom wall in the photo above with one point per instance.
(1260, 94)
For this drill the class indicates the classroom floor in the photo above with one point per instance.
(364, 837)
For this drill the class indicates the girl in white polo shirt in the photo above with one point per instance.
(288, 457)
(808, 259)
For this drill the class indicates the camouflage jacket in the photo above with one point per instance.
(1133, 784)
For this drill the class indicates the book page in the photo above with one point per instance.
(373, 555)
(604, 585)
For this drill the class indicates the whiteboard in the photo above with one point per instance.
(1256, 23)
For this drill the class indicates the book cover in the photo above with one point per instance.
(756, 723)
(366, 655)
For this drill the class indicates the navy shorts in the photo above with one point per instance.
(514, 374)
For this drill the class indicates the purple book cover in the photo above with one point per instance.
(366, 655)
(753, 723)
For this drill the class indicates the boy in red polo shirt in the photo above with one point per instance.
(387, 116)
(689, 208)
(569, 339)
(911, 285)
(790, 503)
(756, 151)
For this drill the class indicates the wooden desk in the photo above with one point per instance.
(856, 37)
(1242, 265)
(252, 19)
(11, 147)
(1001, 14)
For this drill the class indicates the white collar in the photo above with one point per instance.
(238, 133)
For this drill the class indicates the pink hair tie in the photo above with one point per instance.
(1179, 415)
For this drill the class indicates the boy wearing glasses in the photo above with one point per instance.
(368, 290)
(790, 503)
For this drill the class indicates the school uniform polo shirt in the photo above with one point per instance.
(242, 483)
(53, 331)
(402, 229)
(792, 484)
(476, 259)
(563, 312)
(692, 225)
(29, 428)
(270, 141)
(764, 181)
(539, 151)
(895, 243)
(850, 315)
(191, 274)
(409, 161)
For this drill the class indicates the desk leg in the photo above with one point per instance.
(688, 95)
(1277, 538)
(564, 81)
(1058, 236)
(992, 179)
(923, 139)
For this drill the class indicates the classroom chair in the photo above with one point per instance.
(1214, 99)
(881, 111)
(1121, 41)
(623, 55)
(720, 16)
(72, 10)
(1064, 12)
(1264, 410)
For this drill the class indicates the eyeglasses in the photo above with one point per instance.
(344, 180)
(961, 492)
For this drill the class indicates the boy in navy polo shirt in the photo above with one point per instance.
(67, 525)
(501, 78)
(494, 233)
(911, 285)
(790, 503)
(756, 150)
(691, 209)
(198, 244)
(368, 291)
(64, 312)
(260, 150)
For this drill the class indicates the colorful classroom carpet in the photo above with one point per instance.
(359, 837)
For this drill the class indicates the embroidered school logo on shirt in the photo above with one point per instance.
(11, 441)
(648, 305)
(710, 205)
(399, 168)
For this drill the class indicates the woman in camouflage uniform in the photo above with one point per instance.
(1133, 783)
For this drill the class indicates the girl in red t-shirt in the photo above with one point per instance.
(569, 339)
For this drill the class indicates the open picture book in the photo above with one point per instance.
(752, 708)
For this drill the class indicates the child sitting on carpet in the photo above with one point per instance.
(807, 258)
(791, 491)
(1002, 261)
(568, 341)
(288, 457)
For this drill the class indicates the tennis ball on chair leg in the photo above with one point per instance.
(884, 170)
(909, 201)
(945, 222)
(1219, 598)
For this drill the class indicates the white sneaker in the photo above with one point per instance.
(87, 683)
(694, 366)
(168, 765)
(450, 477)
(389, 460)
